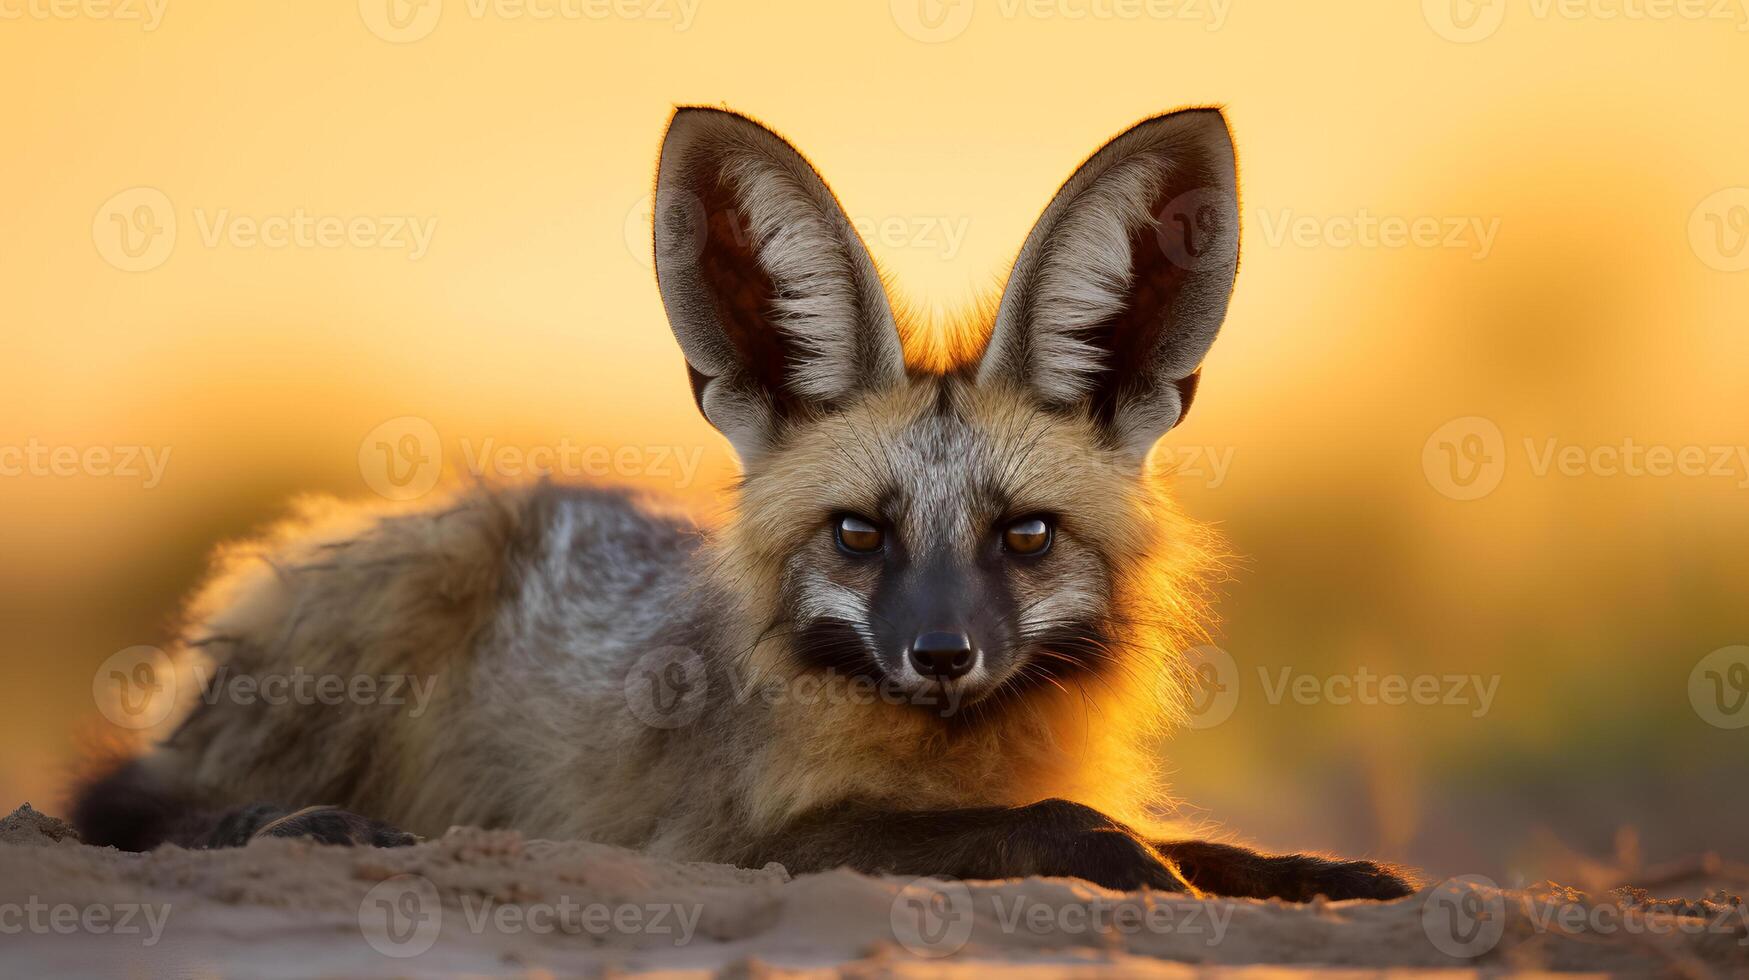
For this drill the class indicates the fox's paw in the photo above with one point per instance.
(1237, 872)
(332, 825)
(1117, 860)
(1075, 841)
(1304, 878)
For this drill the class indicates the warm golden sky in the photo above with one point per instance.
(1530, 213)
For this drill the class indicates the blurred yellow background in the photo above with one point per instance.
(238, 237)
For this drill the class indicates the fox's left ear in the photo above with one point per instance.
(1123, 283)
(776, 304)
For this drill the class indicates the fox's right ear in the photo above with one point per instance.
(1122, 285)
(775, 302)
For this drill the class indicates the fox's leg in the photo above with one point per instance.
(1063, 839)
(322, 824)
(130, 810)
(1052, 838)
(1236, 872)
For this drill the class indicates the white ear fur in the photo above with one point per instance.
(770, 292)
(1123, 283)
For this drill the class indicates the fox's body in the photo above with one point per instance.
(534, 617)
(936, 635)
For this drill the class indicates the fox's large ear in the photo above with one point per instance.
(1123, 283)
(775, 301)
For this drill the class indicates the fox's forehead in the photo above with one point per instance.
(943, 481)
(942, 459)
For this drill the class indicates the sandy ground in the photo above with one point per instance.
(490, 903)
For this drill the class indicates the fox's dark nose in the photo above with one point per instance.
(942, 655)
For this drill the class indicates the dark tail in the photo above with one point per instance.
(126, 808)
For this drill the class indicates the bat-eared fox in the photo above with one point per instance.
(937, 634)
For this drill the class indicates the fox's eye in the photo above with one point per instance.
(1029, 536)
(859, 535)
